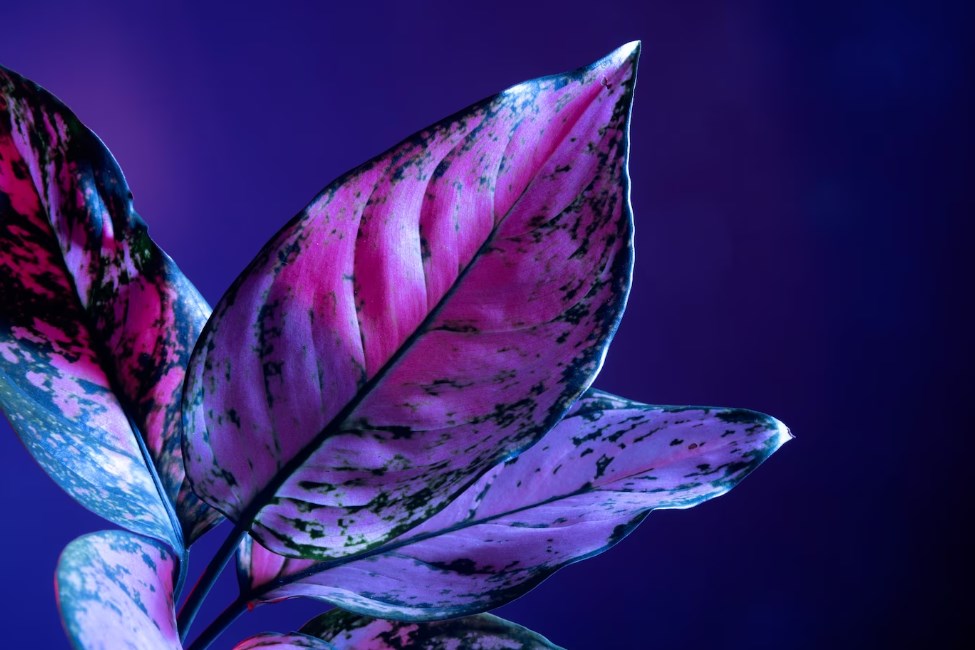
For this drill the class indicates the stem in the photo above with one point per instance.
(215, 629)
(202, 587)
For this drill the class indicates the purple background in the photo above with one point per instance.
(803, 223)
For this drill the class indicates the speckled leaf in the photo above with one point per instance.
(573, 495)
(115, 591)
(96, 322)
(347, 631)
(431, 313)
(293, 641)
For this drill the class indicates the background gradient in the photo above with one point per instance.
(802, 186)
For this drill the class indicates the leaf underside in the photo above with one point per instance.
(115, 592)
(429, 315)
(575, 494)
(96, 322)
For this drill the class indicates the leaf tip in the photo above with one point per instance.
(622, 58)
(779, 434)
(630, 51)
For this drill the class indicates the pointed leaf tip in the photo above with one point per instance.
(775, 431)
(625, 55)
(784, 432)
(617, 66)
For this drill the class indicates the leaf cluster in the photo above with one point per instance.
(392, 403)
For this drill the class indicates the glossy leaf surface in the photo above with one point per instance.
(433, 312)
(96, 322)
(576, 493)
(293, 641)
(347, 631)
(115, 592)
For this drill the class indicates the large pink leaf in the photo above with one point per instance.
(347, 631)
(576, 493)
(115, 591)
(96, 322)
(431, 313)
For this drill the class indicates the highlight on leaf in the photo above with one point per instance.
(96, 323)
(115, 591)
(575, 494)
(430, 314)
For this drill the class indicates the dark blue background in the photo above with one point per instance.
(803, 223)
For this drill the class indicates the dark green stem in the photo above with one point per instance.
(202, 587)
(221, 623)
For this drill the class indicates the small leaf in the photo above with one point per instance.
(347, 631)
(430, 314)
(293, 641)
(576, 493)
(115, 591)
(96, 322)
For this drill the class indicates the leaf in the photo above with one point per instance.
(115, 591)
(578, 492)
(96, 322)
(279, 641)
(431, 313)
(347, 631)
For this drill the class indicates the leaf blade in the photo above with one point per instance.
(348, 631)
(293, 641)
(380, 329)
(557, 503)
(115, 590)
(97, 322)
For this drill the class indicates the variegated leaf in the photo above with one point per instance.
(431, 313)
(293, 641)
(347, 631)
(115, 591)
(96, 322)
(573, 495)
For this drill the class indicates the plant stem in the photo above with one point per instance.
(220, 624)
(202, 587)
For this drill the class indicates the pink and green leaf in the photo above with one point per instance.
(115, 592)
(430, 314)
(96, 323)
(575, 494)
(348, 631)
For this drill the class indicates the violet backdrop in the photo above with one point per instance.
(799, 189)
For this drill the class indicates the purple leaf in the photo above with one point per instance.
(96, 322)
(430, 314)
(347, 631)
(115, 591)
(293, 641)
(576, 493)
